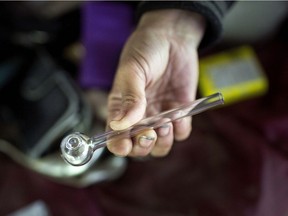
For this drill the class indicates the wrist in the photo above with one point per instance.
(182, 24)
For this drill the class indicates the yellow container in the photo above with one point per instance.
(236, 73)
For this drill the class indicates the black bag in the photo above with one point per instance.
(40, 103)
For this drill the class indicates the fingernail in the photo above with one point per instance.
(164, 130)
(145, 141)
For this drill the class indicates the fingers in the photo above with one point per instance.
(132, 111)
(139, 146)
(130, 90)
(182, 128)
(125, 111)
(179, 131)
(120, 147)
(164, 141)
(157, 142)
(143, 143)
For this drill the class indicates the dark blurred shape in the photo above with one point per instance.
(43, 103)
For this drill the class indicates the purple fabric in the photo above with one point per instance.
(105, 28)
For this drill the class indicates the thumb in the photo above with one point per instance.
(133, 105)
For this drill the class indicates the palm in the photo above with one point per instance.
(175, 84)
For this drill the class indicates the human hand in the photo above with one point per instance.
(158, 70)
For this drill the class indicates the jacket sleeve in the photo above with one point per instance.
(213, 11)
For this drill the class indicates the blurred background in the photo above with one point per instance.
(57, 61)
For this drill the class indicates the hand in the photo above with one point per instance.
(158, 70)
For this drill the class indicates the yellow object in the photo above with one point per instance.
(236, 73)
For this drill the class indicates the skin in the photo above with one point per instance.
(158, 70)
